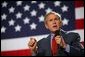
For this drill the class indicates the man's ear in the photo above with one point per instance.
(46, 26)
(61, 23)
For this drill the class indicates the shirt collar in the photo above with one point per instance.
(52, 35)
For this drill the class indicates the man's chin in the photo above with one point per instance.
(55, 30)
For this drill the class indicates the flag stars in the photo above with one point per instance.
(18, 15)
(26, 20)
(19, 3)
(11, 22)
(4, 4)
(33, 26)
(11, 10)
(57, 3)
(33, 13)
(26, 8)
(3, 16)
(64, 8)
(41, 18)
(41, 5)
(65, 21)
(3, 29)
(17, 28)
(48, 10)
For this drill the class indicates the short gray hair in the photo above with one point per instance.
(52, 12)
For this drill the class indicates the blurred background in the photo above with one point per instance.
(21, 20)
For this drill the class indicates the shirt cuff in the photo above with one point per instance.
(67, 49)
(33, 54)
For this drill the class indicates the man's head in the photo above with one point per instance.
(53, 21)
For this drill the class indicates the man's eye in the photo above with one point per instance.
(56, 19)
(50, 20)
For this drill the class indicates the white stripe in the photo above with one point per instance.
(79, 12)
(21, 43)
(80, 32)
(18, 43)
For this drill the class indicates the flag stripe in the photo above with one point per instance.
(79, 12)
(80, 32)
(79, 3)
(21, 43)
(79, 24)
(22, 52)
(17, 44)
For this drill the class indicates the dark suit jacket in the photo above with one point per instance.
(73, 39)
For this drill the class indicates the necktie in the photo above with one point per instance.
(54, 47)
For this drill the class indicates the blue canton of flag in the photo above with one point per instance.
(26, 18)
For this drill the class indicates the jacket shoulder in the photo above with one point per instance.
(43, 40)
(73, 35)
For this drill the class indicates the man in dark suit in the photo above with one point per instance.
(66, 44)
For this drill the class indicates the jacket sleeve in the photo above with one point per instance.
(40, 51)
(75, 45)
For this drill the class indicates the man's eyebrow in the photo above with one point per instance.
(57, 17)
(50, 19)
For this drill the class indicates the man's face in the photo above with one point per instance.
(53, 22)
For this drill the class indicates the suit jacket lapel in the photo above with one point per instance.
(63, 34)
(49, 45)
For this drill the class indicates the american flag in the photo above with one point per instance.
(21, 20)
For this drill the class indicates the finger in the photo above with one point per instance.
(34, 46)
(58, 40)
(58, 37)
(31, 38)
(33, 42)
(63, 41)
(30, 43)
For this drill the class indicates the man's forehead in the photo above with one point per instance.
(52, 15)
(57, 15)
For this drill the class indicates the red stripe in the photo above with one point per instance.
(79, 3)
(82, 43)
(25, 52)
(79, 24)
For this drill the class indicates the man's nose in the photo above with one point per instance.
(54, 22)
